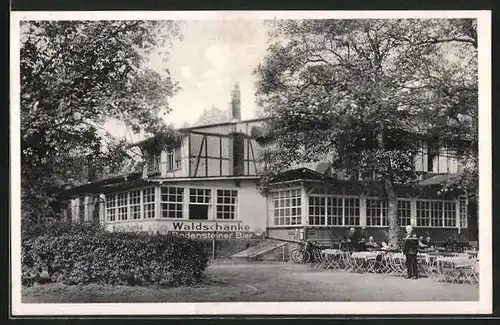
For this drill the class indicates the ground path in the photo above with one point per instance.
(230, 281)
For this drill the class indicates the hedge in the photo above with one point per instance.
(113, 258)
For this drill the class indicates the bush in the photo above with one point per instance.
(113, 258)
(58, 228)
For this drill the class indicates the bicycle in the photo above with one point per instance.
(307, 252)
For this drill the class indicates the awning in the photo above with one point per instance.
(435, 180)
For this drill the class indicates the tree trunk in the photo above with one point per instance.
(392, 213)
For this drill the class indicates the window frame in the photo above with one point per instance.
(440, 222)
(148, 203)
(169, 203)
(381, 207)
(295, 211)
(345, 206)
(234, 204)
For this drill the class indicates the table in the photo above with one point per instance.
(332, 258)
(364, 261)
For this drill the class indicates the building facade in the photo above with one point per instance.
(207, 187)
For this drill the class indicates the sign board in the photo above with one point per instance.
(202, 230)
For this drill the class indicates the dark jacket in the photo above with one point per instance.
(410, 245)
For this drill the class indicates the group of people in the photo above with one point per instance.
(356, 241)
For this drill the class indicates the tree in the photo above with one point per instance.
(212, 116)
(359, 93)
(74, 76)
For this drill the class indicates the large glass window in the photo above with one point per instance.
(122, 206)
(200, 203)
(172, 202)
(227, 204)
(376, 212)
(331, 210)
(463, 211)
(81, 209)
(149, 202)
(287, 207)
(436, 213)
(334, 208)
(404, 212)
(449, 214)
(317, 210)
(111, 207)
(351, 211)
(135, 205)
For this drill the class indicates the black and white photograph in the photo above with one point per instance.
(230, 163)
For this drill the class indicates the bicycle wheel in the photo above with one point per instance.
(300, 256)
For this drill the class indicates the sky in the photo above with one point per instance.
(211, 57)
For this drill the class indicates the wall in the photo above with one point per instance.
(249, 224)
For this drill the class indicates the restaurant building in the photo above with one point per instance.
(206, 186)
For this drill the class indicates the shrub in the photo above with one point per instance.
(58, 228)
(113, 258)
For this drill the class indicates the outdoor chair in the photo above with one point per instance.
(347, 262)
(335, 260)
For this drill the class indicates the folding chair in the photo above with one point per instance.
(320, 258)
(334, 261)
(347, 261)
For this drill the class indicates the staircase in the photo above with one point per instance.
(259, 250)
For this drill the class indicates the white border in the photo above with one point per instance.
(483, 306)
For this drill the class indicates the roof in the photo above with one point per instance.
(435, 180)
(224, 123)
(299, 174)
(194, 128)
(102, 183)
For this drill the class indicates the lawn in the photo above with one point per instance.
(229, 281)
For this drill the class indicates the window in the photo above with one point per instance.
(173, 158)
(170, 159)
(135, 205)
(436, 213)
(449, 214)
(351, 212)
(81, 209)
(404, 212)
(177, 158)
(317, 210)
(463, 211)
(149, 202)
(423, 213)
(334, 211)
(376, 212)
(171, 202)
(111, 207)
(287, 208)
(153, 162)
(227, 204)
(199, 203)
(122, 206)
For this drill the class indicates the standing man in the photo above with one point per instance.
(410, 249)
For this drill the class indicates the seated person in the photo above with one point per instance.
(421, 245)
(385, 246)
(371, 244)
(428, 242)
(361, 245)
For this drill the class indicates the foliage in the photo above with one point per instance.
(75, 75)
(361, 94)
(59, 228)
(113, 258)
(212, 116)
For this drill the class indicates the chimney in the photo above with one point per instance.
(236, 103)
